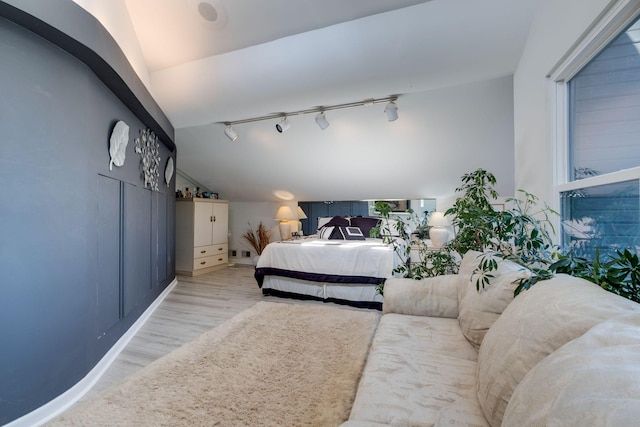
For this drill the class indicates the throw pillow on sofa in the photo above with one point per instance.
(469, 263)
(479, 309)
(534, 325)
(592, 380)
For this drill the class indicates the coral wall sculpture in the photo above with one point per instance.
(147, 146)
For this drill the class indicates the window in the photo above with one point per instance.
(598, 120)
(603, 216)
(604, 109)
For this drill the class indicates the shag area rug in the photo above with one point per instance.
(275, 364)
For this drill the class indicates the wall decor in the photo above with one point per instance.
(118, 144)
(168, 171)
(147, 146)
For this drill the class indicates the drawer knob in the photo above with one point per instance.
(219, 249)
(219, 259)
(203, 262)
(203, 252)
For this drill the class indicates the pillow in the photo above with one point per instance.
(389, 227)
(335, 221)
(480, 308)
(364, 223)
(341, 233)
(469, 263)
(322, 221)
(326, 232)
(351, 233)
(534, 325)
(592, 380)
(338, 220)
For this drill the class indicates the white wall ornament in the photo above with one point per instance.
(118, 144)
(168, 171)
(147, 146)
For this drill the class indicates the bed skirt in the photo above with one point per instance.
(358, 304)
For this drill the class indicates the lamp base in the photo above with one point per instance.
(439, 236)
(285, 230)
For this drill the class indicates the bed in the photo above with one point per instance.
(340, 271)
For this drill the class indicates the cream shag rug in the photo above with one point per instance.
(275, 364)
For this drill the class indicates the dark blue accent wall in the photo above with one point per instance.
(83, 250)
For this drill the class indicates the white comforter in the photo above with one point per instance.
(369, 257)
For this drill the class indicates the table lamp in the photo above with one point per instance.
(438, 232)
(301, 215)
(284, 215)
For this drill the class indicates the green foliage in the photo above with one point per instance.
(396, 232)
(473, 215)
(522, 234)
(618, 273)
(433, 263)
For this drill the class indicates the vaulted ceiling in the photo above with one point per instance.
(213, 61)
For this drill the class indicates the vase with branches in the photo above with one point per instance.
(259, 239)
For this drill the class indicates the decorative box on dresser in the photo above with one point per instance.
(202, 228)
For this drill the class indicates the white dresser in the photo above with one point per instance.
(202, 228)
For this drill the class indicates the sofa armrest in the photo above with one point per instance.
(433, 296)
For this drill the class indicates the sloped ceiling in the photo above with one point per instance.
(213, 61)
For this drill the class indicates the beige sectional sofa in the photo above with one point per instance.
(563, 353)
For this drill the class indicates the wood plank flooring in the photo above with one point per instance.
(195, 305)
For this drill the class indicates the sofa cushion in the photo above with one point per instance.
(478, 309)
(433, 296)
(592, 380)
(417, 368)
(469, 263)
(534, 325)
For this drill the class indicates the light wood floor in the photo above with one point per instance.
(195, 305)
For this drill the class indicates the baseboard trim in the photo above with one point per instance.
(63, 402)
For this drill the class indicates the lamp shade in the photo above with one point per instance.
(301, 214)
(285, 214)
(438, 219)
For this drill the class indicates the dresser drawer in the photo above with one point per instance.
(210, 261)
(207, 251)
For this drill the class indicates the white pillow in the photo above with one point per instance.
(592, 380)
(479, 309)
(534, 325)
(325, 232)
(322, 220)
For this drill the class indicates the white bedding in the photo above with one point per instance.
(368, 257)
(341, 270)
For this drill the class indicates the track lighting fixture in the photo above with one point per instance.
(391, 110)
(231, 134)
(284, 125)
(322, 121)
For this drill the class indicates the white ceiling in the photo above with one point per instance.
(201, 28)
(271, 56)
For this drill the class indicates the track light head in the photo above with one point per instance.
(391, 110)
(322, 121)
(283, 126)
(231, 134)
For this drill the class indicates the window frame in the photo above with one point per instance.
(617, 16)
